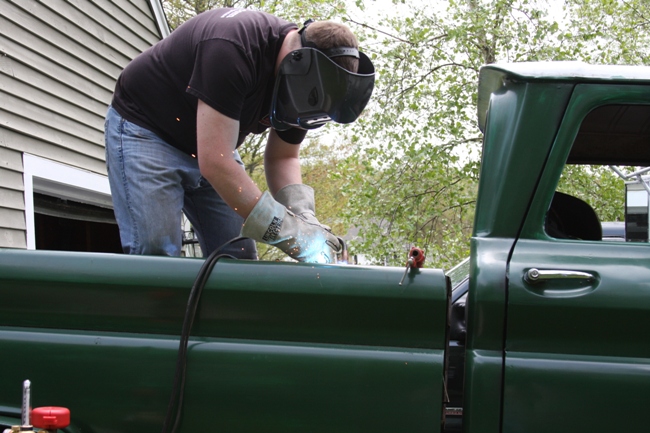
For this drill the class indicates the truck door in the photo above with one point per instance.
(578, 307)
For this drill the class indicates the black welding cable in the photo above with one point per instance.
(178, 388)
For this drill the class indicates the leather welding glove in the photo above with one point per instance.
(299, 199)
(271, 223)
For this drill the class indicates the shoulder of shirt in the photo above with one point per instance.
(283, 28)
(243, 15)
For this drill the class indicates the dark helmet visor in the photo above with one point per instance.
(311, 90)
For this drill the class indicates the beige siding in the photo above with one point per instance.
(12, 203)
(59, 61)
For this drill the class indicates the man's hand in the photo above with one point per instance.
(270, 222)
(299, 199)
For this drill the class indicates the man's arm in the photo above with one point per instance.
(281, 163)
(216, 141)
(266, 220)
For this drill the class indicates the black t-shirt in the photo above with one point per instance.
(225, 57)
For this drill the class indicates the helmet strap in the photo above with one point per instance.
(331, 52)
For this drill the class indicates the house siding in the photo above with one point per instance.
(59, 61)
(12, 199)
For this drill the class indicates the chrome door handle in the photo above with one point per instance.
(534, 275)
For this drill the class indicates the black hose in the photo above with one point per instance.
(178, 388)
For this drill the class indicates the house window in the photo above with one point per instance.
(67, 209)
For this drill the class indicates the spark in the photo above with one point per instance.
(316, 251)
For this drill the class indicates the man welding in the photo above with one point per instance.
(183, 107)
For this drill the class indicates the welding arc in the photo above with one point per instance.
(178, 388)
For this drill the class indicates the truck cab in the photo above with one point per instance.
(557, 319)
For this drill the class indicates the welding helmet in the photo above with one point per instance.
(311, 89)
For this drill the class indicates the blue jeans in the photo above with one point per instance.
(152, 182)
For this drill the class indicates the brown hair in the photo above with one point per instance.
(328, 34)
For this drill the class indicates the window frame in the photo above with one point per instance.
(59, 180)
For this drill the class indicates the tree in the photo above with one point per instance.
(599, 186)
(419, 147)
(179, 11)
(609, 31)
(412, 175)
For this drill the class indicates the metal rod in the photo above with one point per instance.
(409, 264)
(625, 176)
(642, 182)
(27, 403)
(636, 175)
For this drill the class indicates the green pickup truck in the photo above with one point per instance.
(546, 327)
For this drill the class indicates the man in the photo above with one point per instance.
(181, 109)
